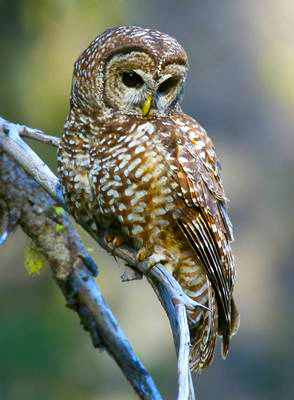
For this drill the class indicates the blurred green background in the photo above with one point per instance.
(241, 88)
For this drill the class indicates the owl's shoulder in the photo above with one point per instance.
(184, 136)
(191, 130)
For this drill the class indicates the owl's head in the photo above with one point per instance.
(132, 71)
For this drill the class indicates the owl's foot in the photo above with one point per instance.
(114, 241)
(147, 254)
(144, 253)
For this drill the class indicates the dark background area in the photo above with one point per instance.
(241, 89)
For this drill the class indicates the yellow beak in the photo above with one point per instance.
(147, 105)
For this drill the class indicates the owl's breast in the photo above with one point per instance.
(132, 184)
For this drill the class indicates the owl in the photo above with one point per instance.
(132, 162)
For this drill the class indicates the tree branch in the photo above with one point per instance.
(37, 134)
(169, 292)
(71, 265)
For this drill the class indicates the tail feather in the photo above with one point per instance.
(227, 331)
(203, 333)
(205, 325)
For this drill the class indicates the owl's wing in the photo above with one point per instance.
(202, 216)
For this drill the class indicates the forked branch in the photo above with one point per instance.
(80, 288)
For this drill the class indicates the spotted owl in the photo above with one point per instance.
(130, 160)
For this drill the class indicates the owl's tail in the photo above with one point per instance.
(205, 325)
(203, 332)
(227, 330)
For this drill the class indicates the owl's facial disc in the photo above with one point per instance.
(133, 85)
(128, 80)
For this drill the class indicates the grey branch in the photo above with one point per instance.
(93, 309)
(37, 134)
(29, 206)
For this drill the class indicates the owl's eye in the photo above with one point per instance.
(132, 80)
(167, 85)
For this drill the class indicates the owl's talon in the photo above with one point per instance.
(117, 241)
(109, 237)
(114, 240)
(144, 253)
(152, 259)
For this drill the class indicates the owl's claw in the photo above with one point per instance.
(146, 254)
(113, 240)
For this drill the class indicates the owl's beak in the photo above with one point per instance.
(147, 105)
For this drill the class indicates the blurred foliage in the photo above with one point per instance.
(241, 88)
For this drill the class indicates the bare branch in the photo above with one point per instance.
(176, 312)
(31, 163)
(40, 136)
(37, 134)
(169, 292)
(183, 354)
(71, 265)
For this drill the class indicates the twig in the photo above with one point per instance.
(37, 134)
(31, 163)
(183, 354)
(166, 287)
(179, 324)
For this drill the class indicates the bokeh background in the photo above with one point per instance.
(241, 88)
